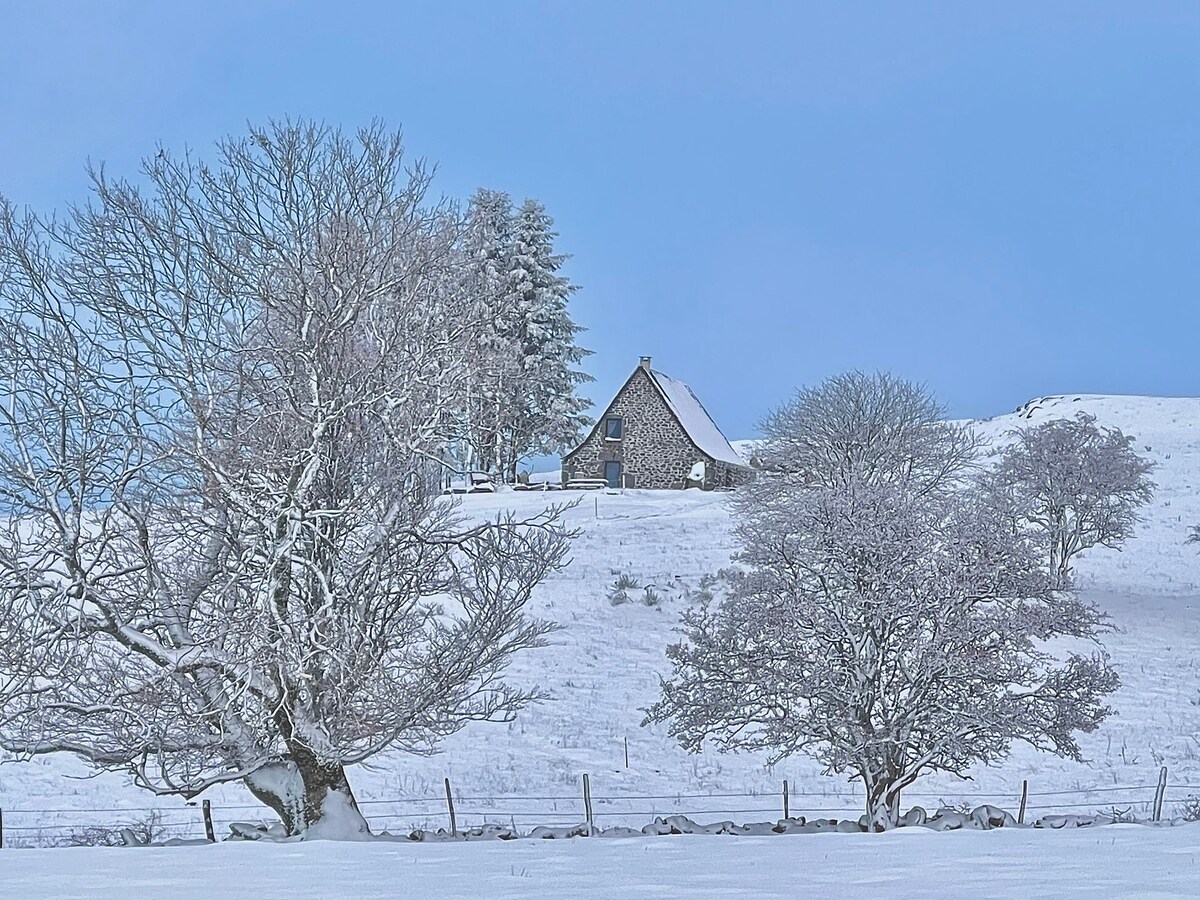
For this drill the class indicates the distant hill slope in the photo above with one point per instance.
(1167, 432)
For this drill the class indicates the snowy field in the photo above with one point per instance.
(1117, 861)
(604, 666)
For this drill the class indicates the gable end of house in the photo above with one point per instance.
(647, 438)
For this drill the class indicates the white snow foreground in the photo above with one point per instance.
(911, 862)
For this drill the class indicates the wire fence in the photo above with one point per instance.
(74, 826)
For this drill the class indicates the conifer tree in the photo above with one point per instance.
(524, 398)
(547, 413)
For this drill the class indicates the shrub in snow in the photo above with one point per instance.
(225, 557)
(888, 620)
(1079, 484)
(1189, 809)
(146, 830)
(626, 582)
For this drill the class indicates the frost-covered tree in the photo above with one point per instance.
(872, 427)
(225, 558)
(548, 412)
(525, 397)
(1080, 484)
(885, 619)
(479, 437)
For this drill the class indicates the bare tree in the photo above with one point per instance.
(225, 558)
(884, 628)
(1081, 485)
(872, 427)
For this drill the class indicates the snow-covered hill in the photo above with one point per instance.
(1167, 432)
(604, 666)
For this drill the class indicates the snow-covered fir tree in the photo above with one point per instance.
(524, 400)
(478, 436)
(547, 412)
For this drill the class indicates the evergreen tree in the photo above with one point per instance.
(524, 397)
(488, 239)
(546, 412)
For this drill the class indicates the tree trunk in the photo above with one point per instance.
(883, 804)
(313, 800)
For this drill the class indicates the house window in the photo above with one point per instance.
(613, 428)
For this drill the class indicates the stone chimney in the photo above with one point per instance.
(645, 363)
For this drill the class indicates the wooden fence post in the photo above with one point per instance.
(450, 806)
(627, 752)
(786, 812)
(1159, 793)
(1024, 800)
(1, 829)
(206, 806)
(587, 804)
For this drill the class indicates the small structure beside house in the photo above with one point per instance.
(656, 434)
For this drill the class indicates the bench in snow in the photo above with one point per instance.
(587, 484)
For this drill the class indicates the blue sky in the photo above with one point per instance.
(1000, 202)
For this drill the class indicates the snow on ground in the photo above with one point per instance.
(605, 663)
(1117, 861)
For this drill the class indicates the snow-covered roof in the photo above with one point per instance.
(695, 419)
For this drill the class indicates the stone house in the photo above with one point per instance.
(656, 434)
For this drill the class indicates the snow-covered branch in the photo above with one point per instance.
(226, 557)
(886, 619)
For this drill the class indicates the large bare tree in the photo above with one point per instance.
(225, 558)
(867, 426)
(887, 620)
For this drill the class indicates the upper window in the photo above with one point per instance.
(613, 429)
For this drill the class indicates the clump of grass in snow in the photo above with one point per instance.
(619, 592)
(1189, 809)
(626, 582)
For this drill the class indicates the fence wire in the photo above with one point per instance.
(27, 826)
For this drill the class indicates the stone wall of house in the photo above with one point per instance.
(654, 450)
(724, 475)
